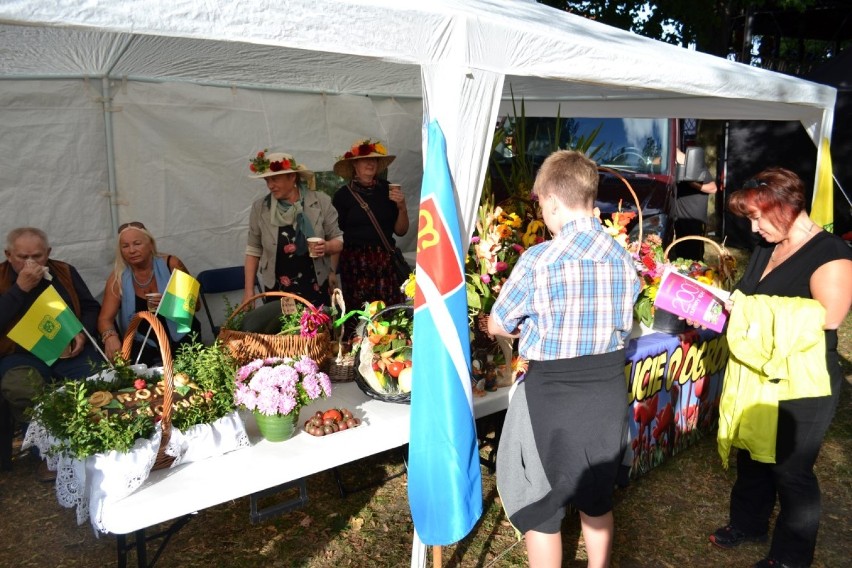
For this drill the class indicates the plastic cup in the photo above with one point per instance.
(312, 244)
(395, 185)
(153, 300)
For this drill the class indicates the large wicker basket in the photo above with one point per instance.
(363, 384)
(246, 346)
(162, 460)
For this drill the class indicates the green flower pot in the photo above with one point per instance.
(276, 428)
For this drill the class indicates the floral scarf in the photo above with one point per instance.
(284, 214)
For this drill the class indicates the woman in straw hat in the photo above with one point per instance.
(366, 268)
(282, 223)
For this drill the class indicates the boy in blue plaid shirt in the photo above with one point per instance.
(570, 301)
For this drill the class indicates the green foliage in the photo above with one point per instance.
(291, 323)
(329, 182)
(714, 27)
(82, 430)
(212, 369)
(393, 328)
(232, 322)
(513, 134)
(85, 428)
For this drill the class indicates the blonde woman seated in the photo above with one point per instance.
(139, 270)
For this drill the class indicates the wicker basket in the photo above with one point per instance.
(341, 369)
(246, 346)
(162, 460)
(723, 278)
(632, 194)
(725, 272)
(360, 332)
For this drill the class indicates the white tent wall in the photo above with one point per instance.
(181, 160)
(182, 154)
(53, 172)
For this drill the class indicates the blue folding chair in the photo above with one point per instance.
(221, 281)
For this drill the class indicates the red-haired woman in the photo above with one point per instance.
(795, 260)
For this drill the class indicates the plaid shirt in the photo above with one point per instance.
(571, 296)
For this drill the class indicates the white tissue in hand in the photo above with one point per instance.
(47, 275)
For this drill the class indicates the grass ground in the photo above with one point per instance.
(662, 519)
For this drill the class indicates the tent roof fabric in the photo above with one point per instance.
(361, 47)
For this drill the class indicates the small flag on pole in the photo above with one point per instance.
(47, 328)
(179, 301)
(444, 481)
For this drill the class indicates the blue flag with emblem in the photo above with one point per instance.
(444, 481)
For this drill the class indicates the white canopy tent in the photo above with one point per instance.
(150, 109)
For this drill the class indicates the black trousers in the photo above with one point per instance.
(802, 425)
(693, 250)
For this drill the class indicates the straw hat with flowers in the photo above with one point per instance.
(265, 165)
(363, 149)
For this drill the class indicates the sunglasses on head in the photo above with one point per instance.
(131, 225)
(752, 183)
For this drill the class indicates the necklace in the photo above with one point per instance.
(795, 247)
(789, 253)
(142, 285)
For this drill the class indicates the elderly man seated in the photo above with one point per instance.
(26, 273)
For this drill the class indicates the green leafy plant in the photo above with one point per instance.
(505, 229)
(211, 368)
(98, 415)
(233, 321)
(291, 323)
(513, 134)
(84, 429)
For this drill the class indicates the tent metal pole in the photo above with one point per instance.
(110, 150)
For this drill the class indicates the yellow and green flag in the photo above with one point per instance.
(822, 207)
(47, 328)
(179, 301)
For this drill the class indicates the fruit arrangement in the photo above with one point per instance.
(385, 345)
(331, 421)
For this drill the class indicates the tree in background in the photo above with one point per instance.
(725, 27)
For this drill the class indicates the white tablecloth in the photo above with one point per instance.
(171, 493)
(89, 485)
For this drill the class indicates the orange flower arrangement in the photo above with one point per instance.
(365, 148)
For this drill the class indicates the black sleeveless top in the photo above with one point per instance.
(792, 277)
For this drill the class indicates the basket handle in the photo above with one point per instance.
(165, 352)
(719, 248)
(338, 301)
(725, 271)
(632, 193)
(274, 294)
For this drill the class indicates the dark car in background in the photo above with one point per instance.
(642, 151)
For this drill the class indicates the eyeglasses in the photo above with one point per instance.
(131, 225)
(753, 182)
